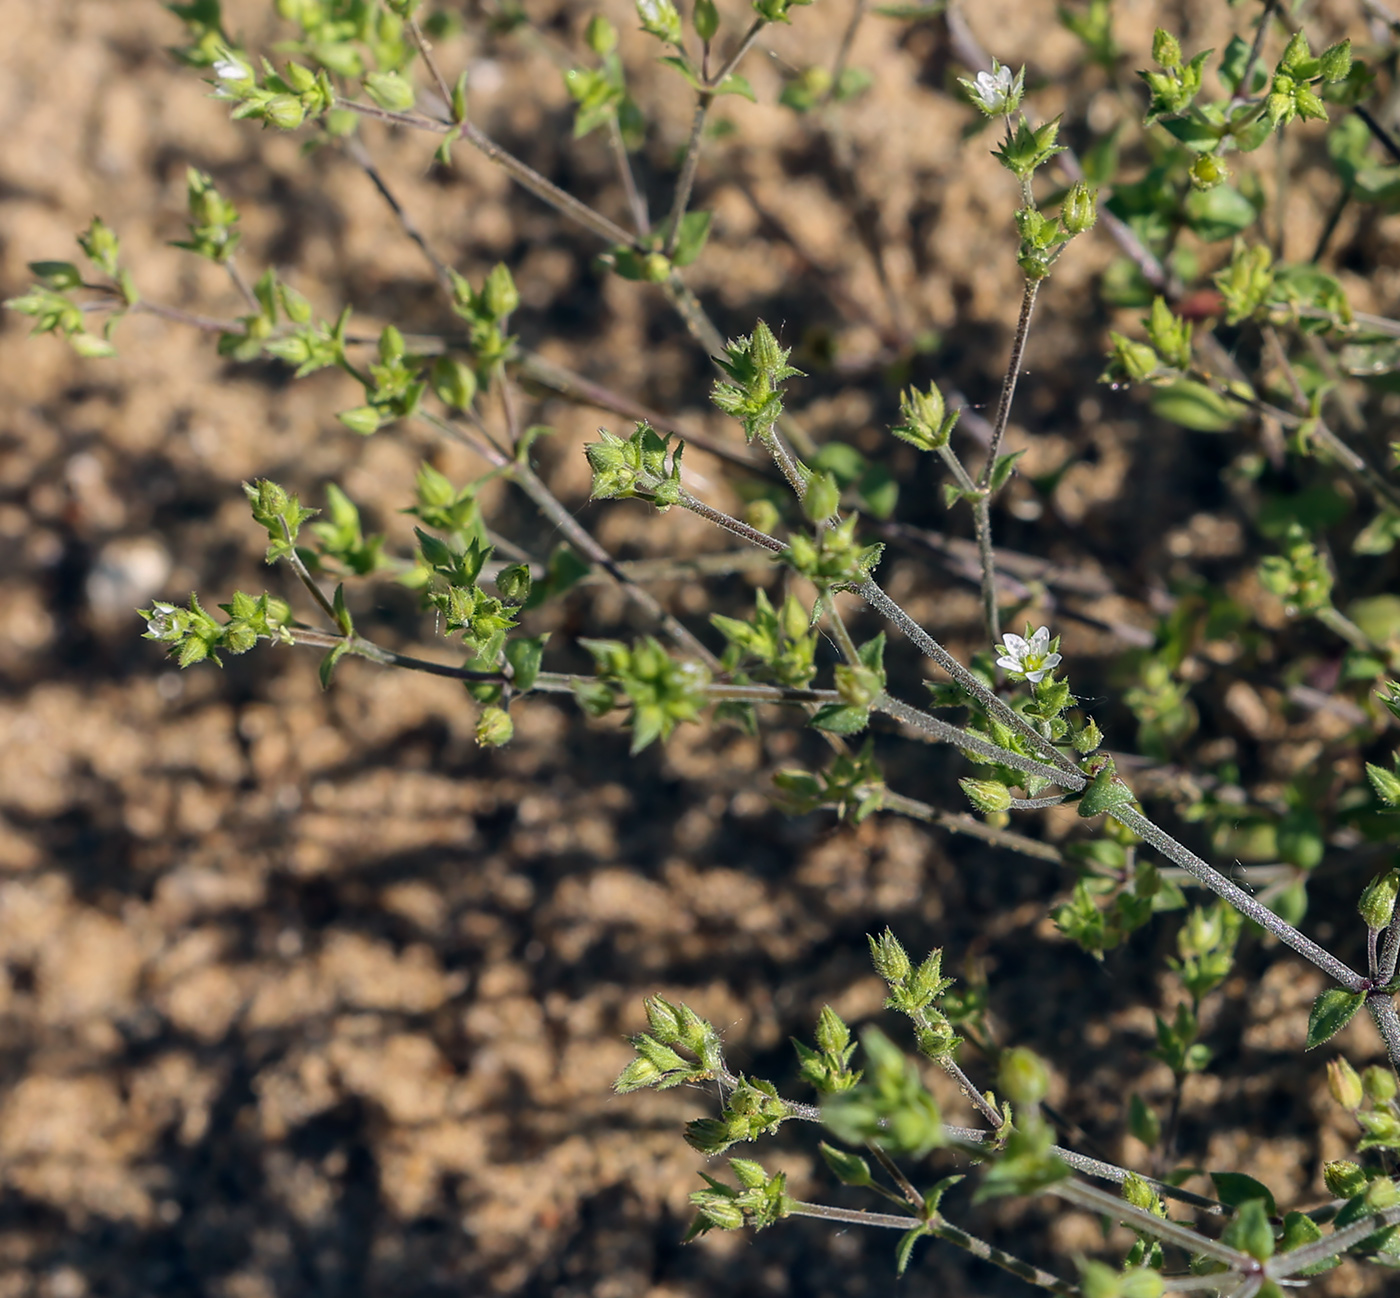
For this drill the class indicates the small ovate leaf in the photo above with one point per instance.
(695, 229)
(1235, 1188)
(328, 663)
(1331, 1012)
(1001, 471)
(524, 654)
(841, 719)
(1195, 406)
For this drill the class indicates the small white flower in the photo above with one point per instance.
(996, 92)
(162, 621)
(230, 69)
(1029, 658)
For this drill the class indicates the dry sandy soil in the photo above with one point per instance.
(301, 992)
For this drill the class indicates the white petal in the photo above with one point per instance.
(1009, 664)
(1053, 660)
(1041, 637)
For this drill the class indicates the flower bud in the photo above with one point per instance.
(454, 382)
(1166, 49)
(494, 727)
(100, 246)
(706, 19)
(601, 35)
(1379, 1084)
(390, 90)
(499, 293)
(1344, 1179)
(1078, 212)
(1377, 904)
(514, 583)
(822, 497)
(285, 112)
(1022, 1077)
(833, 1036)
(1139, 1193)
(890, 958)
(1345, 1085)
(1208, 171)
(762, 514)
(1336, 62)
(988, 796)
(362, 419)
(857, 686)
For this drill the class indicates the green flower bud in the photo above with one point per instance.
(1336, 61)
(833, 1036)
(660, 19)
(600, 35)
(1022, 1077)
(1079, 212)
(1379, 1084)
(499, 294)
(822, 497)
(890, 958)
(1382, 1193)
(857, 686)
(296, 306)
(454, 382)
(285, 112)
(706, 19)
(1345, 1085)
(300, 78)
(1208, 171)
(763, 514)
(514, 583)
(390, 90)
(1140, 1194)
(1345, 1180)
(362, 419)
(1377, 904)
(988, 796)
(1166, 49)
(494, 727)
(656, 267)
(390, 345)
(100, 246)
(926, 424)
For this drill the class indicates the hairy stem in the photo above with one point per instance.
(1248, 906)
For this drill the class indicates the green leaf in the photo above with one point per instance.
(1331, 1012)
(524, 654)
(841, 719)
(1107, 793)
(1195, 406)
(342, 614)
(328, 663)
(1219, 213)
(1001, 471)
(1235, 1188)
(695, 229)
(904, 1250)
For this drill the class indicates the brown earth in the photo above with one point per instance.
(303, 993)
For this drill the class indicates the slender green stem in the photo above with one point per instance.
(843, 51)
(1172, 1232)
(521, 172)
(1067, 773)
(982, 508)
(425, 52)
(940, 1229)
(688, 169)
(733, 61)
(1247, 905)
(1380, 1004)
(636, 203)
(960, 822)
(1297, 1259)
(883, 604)
(240, 282)
(911, 1196)
(985, 1107)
